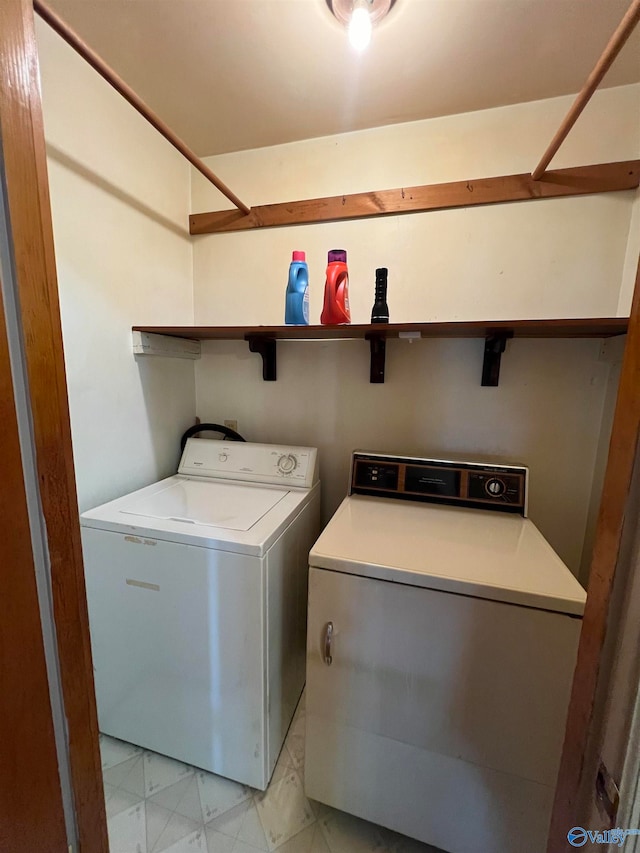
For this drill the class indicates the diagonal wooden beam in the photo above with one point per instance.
(582, 180)
(73, 39)
(613, 48)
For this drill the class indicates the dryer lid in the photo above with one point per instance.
(212, 504)
(466, 551)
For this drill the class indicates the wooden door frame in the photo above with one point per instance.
(29, 216)
(575, 789)
(30, 789)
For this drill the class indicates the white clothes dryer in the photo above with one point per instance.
(441, 646)
(197, 588)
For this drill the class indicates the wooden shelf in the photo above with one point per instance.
(262, 339)
(590, 327)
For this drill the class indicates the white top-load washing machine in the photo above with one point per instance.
(196, 587)
(442, 639)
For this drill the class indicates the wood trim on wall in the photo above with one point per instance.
(21, 125)
(576, 777)
(580, 180)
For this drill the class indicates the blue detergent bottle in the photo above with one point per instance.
(296, 312)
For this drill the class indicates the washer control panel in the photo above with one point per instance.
(251, 463)
(471, 484)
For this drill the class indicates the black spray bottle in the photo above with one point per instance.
(380, 311)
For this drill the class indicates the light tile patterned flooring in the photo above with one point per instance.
(155, 803)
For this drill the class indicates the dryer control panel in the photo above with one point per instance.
(471, 484)
(272, 464)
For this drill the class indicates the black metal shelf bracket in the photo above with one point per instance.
(265, 347)
(494, 345)
(378, 347)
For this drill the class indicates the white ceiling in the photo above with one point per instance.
(234, 74)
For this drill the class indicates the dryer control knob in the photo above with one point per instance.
(287, 463)
(495, 487)
(222, 457)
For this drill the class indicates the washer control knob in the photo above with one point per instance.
(223, 457)
(287, 463)
(495, 488)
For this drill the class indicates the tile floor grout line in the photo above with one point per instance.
(201, 823)
(150, 850)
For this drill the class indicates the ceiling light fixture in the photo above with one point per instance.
(359, 16)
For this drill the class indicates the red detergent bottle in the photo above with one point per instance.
(336, 290)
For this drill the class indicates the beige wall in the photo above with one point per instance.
(633, 251)
(545, 413)
(612, 353)
(563, 257)
(120, 198)
(543, 259)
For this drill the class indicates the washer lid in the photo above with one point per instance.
(228, 505)
(239, 517)
(465, 551)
